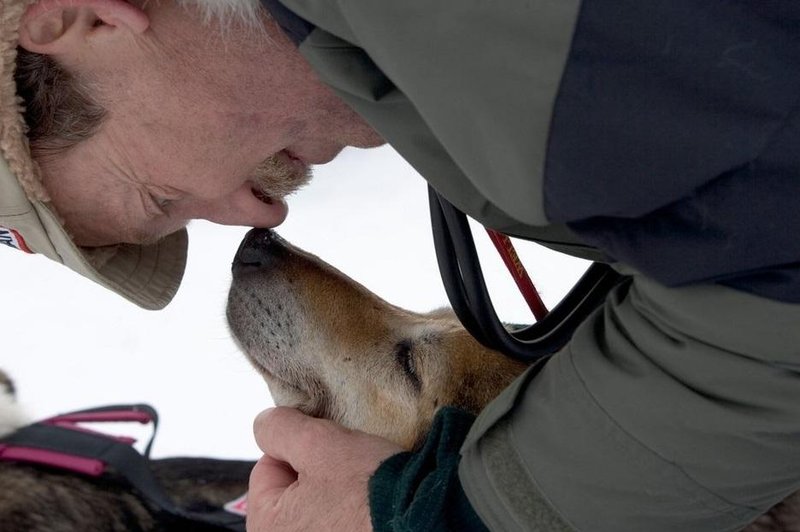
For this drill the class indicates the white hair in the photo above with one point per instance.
(244, 11)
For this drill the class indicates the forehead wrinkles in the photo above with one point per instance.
(94, 191)
(138, 221)
(119, 209)
(125, 209)
(135, 167)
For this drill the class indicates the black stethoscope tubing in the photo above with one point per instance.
(466, 288)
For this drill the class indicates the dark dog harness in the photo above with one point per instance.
(61, 443)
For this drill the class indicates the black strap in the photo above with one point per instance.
(138, 407)
(465, 286)
(120, 457)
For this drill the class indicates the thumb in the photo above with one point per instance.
(288, 435)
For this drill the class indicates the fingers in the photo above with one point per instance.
(269, 479)
(313, 475)
(270, 474)
(288, 435)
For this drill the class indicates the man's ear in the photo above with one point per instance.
(56, 27)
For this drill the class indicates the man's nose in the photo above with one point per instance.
(259, 250)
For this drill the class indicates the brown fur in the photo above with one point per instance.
(36, 499)
(324, 344)
(39, 499)
(328, 346)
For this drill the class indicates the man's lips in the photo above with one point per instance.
(276, 208)
(259, 194)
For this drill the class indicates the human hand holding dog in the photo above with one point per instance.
(313, 475)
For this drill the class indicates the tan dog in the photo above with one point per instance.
(331, 348)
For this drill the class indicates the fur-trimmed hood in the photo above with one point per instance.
(146, 275)
(13, 142)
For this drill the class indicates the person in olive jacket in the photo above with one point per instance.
(658, 136)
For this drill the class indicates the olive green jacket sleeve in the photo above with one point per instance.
(439, 66)
(672, 408)
(429, 84)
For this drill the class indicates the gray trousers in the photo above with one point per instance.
(670, 409)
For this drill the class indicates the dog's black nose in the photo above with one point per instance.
(256, 250)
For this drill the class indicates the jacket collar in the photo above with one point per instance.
(295, 27)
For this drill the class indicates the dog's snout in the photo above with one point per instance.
(256, 250)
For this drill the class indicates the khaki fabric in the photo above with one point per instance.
(146, 275)
(149, 276)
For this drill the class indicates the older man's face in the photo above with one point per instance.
(201, 124)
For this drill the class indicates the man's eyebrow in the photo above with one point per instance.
(148, 227)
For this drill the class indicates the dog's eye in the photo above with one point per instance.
(402, 353)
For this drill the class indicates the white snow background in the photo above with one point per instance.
(70, 344)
